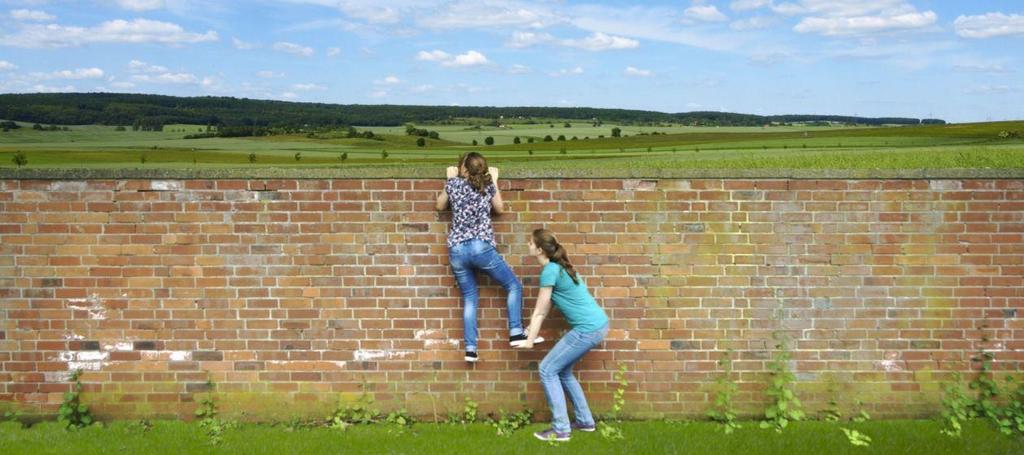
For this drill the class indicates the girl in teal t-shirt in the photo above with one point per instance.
(561, 286)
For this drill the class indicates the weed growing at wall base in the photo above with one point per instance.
(208, 420)
(785, 407)
(723, 411)
(507, 423)
(73, 414)
(609, 427)
(468, 415)
(361, 412)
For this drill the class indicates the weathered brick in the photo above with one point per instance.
(207, 355)
(312, 286)
(198, 387)
(684, 345)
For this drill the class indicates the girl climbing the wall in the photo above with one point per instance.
(561, 285)
(472, 192)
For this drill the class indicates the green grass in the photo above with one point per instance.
(889, 437)
(933, 146)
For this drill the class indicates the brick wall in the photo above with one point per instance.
(292, 294)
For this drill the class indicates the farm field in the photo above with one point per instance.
(976, 145)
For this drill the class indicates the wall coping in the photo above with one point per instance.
(512, 173)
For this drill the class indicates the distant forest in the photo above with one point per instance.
(154, 111)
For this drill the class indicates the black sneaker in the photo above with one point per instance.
(517, 340)
(471, 357)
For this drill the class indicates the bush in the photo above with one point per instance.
(19, 158)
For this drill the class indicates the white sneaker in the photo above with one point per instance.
(518, 340)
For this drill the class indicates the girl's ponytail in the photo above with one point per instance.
(545, 240)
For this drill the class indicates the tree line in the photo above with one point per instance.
(154, 111)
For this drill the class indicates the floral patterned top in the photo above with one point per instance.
(471, 212)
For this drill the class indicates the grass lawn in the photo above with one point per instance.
(889, 437)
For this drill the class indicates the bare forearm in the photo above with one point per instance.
(498, 204)
(442, 201)
(535, 322)
(540, 311)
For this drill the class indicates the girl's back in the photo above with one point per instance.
(471, 212)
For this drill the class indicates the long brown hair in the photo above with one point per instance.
(476, 167)
(545, 240)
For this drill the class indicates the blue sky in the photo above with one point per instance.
(951, 59)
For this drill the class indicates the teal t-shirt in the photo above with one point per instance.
(572, 299)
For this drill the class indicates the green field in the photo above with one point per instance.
(888, 437)
(976, 145)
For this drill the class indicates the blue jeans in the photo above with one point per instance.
(556, 376)
(468, 257)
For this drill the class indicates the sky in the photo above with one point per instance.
(957, 60)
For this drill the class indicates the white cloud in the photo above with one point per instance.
(470, 58)
(7, 66)
(31, 15)
(136, 66)
(289, 95)
(308, 87)
(844, 8)
(518, 69)
(747, 5)
(433, 56)
(985, 89)
(770, 57)
(242, 45)
(636, 72)
(706, 13)
(389, 80)
(601, 42)
(167, 78)
(567, 72)
(526, 39)
(487, 14)
(332, 51)
(373, 12)
(141, 5)
(595, 42)
(466, 88)
(649, 23)
(266, 74)
(79, 73)
(40, 88)
(293, 48)
(989, 25)
(908, 54)
(424, 88)
(115, 31)
(838, 26)
(995, 68)
(210, 83)
(122, 85)
(753, 23)
(378, 94)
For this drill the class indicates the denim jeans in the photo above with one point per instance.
(468, 257)
(556, 376)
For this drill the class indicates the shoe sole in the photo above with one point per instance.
(519, 343)
(472, 359)
(547, 439)
(587, 429)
